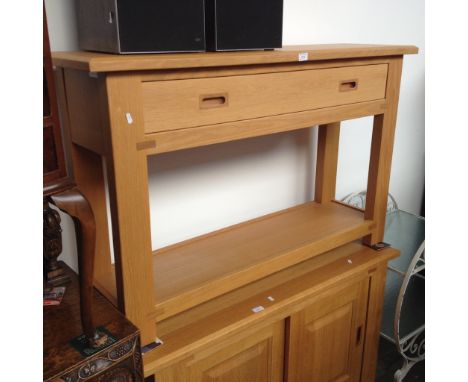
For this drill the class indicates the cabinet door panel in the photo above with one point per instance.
(325, 343)
(256, 358)
(248, 365)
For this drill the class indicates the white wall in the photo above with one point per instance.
(196, 191)
(382, 22)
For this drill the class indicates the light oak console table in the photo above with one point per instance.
(295, 295)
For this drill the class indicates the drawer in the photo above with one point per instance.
(178, 104)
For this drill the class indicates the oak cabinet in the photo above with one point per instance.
(326, 338)
(322, 341)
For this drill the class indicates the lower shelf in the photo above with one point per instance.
(192, 272)
(280, 295)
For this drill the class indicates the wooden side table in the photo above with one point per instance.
(120, 361)
(201, 297)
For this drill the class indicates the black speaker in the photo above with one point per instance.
(141, 26)
(244, 24)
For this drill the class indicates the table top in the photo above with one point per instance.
(105, 62)
(62, 323)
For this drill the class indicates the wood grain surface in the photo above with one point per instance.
(102, 62)
(218, 320)
(196, 270)
(172, 105)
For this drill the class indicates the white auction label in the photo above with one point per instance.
(129, 118)
(258, 309)
(303, 56)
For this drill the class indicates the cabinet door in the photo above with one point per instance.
(254, 358)
(326, 338)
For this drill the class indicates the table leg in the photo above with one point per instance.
(75, 204)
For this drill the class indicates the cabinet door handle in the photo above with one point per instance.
(348, 85)
(359, 335)
(213, 101)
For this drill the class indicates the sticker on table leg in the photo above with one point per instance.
(129, 118)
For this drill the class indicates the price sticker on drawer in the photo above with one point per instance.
(304, 56)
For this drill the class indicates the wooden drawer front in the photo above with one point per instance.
(177, 104)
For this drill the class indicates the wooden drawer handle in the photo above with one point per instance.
(213, 101)
(348, 85)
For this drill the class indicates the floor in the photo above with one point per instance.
(390, 361)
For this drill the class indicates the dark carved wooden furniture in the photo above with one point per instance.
(120, 362)
(56, 174)
(60, 190)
